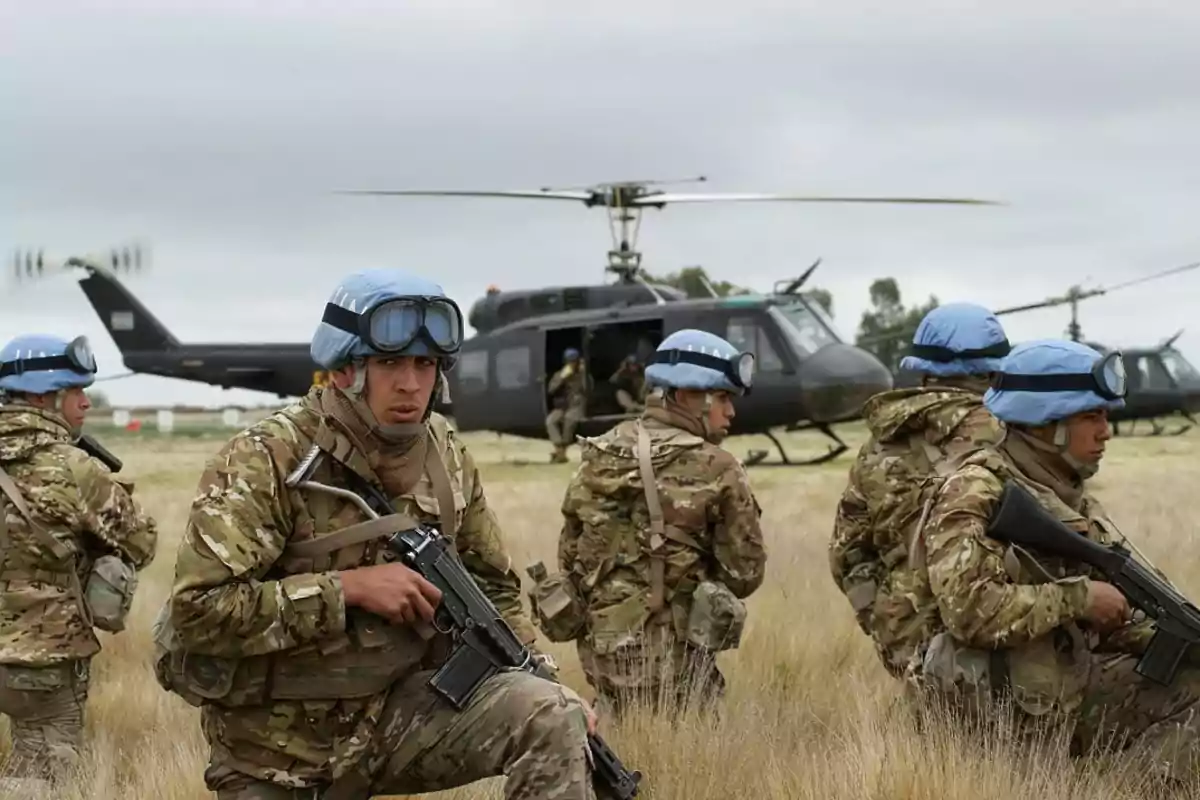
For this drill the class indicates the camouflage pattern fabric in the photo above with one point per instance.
(912, 431)
(299, 683)
(46, 643)
(1028, 609)
(626, 649)
(426, 746)
(569, 387)
(630, 387)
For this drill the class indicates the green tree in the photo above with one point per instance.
(888, 328)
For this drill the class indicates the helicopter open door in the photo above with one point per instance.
(602, 347)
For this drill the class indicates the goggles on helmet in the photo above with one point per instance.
(1106, 378)
(943, 354)
(393, 325)
(739, 369)
(78, 358)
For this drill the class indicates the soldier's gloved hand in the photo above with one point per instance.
(392, 591)
(1107, 607)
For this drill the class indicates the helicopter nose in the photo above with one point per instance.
(836, 380)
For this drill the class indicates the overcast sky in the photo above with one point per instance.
(215, 131)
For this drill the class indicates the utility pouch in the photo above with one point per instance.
(716, 619)
(109, 593)
(557, 607)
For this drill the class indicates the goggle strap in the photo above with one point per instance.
(41, 364)
(940, 353)
(722, 365)
(1068, 382)
(341, 318)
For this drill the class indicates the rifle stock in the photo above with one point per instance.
(93, 448)
(1021, 520)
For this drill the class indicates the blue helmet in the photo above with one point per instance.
(693, 359)
(570, 354)
(41, 363)
(1041, 382)
(382, 312)
(957, 339)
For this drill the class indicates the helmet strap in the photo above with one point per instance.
(1062, 440)
(403, 435)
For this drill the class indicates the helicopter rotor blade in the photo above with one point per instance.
(1155, 276)
(1051, 303)
(579, 196)
(661, 198)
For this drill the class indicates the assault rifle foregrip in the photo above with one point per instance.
(485, 644)
(1021, 520)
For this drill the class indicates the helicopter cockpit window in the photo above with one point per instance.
(472, 371)
(1153, 375)
(807, 331)
(1180, 368)
(744, 334)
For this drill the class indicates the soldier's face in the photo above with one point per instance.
(720, 413)
(1087, 434)
(398, 388)
(74, 408)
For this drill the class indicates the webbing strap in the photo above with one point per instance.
(657, 527)
(350, 536)
(439, 477)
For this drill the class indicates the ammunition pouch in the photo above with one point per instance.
(970, 676)
(109, 593)
(24, 689)
(619, 627)
(365, 661)
(716, 618)
(557, 607)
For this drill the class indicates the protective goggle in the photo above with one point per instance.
(1106, 378)
(944, 355)
(739, 369)
(78, 358)
(393, 325)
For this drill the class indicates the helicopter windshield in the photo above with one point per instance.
(1180, 368)
(806, 327)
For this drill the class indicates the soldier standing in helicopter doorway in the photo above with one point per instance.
(568, 396)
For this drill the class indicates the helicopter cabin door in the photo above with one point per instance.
(603, 346)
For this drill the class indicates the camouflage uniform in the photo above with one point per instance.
(298, 690)
(635, 635)
(630, 386)
(568, 388)
(46, 636)
(914, 432)
(1014, 623)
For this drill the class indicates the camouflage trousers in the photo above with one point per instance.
(1160, 723)
(45, 706)
(561, 424)
(663, 674)
(531, 730)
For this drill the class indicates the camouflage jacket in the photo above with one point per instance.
(1029, 607)
(298, 680)
(80, 504)
(912, 431)
(605, 541)
(569, 390)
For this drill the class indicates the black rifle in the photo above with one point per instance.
(485, 644)
(96, 450)
(1021, 520)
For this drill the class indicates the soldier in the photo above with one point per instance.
(1050, 634)
(293, 627)
(660, 539)
(956, 348)
(568, 394)
(72, 540)
(630, 385)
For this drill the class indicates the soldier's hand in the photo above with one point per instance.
(591, 716)
(1107, 607)
(392, 591)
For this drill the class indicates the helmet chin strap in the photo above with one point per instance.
(404, 433)
(1062, 440)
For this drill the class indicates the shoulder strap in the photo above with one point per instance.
(350, 536)
(439, 477)
(657, 527)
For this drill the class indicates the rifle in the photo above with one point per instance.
(1021, 520)
(96, 450)
(485, 644)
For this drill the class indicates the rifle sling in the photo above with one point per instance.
(657, 526)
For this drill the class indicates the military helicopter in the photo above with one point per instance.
(1161, 381)
(807, 376)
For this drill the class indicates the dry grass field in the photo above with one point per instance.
(809, 713)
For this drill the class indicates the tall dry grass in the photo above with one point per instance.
(809, 712)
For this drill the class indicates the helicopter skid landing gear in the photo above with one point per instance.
(755, 458)
(1157, 428)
